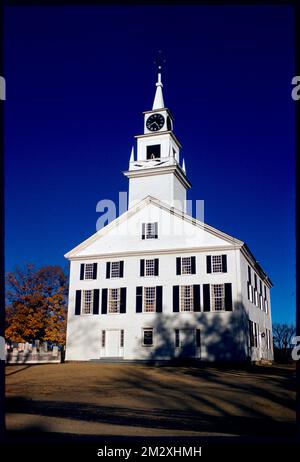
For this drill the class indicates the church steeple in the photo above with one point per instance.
(157, 170)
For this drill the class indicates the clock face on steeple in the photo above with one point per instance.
(155, 122)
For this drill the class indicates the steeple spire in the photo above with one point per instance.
(159, 99)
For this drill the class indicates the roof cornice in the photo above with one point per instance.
(178, 172)
(160, 110)
(165, 132)
(254, 263)
(133, 253)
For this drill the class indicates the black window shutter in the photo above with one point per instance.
(176, 299)
(139, 299)
(198, 338)
(193, 265)
(208, 263)
(228, 297)
(142, 267)
(96, 301)
(156, 230)
(78, 302)
(159, 299)
(95, 271)
(224, 263)
(156, 266)
(251, 336)
(121, 268)
(104, 301)
(249, 274)
(107, 269)
(123, 300)
(178, 265)
(177, 338)
(143, 230)
(82, 271)
(196, 289)
(206, 297)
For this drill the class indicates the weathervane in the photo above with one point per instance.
(159, 61)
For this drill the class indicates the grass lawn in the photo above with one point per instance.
(91, 399)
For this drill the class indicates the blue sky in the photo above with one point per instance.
(78, 79)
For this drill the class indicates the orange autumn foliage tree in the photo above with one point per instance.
(36, 304)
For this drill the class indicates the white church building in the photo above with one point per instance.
(158, 284)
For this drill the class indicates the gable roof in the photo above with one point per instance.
(176, 212)
(135, 209)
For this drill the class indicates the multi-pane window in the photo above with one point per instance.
(151, 230)
(266, 306)
(261, 306)
(186, 265)
(115, 269)
(255, 290)
(103, 339)
(218, 297)
(266, 300)
(148, 337)
(89, 271)
(87, 302)
(250, 292)
(122, 338)
(149, 299)
(253, 334)
(249, 285)
(114, 301)
(216, 261)
(260, 296)
(149, 267)
(186, 298)
(255, 297)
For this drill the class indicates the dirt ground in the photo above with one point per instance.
(141, 400)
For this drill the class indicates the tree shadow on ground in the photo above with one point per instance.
(154, 418)
(214, 398)
(19, 369)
